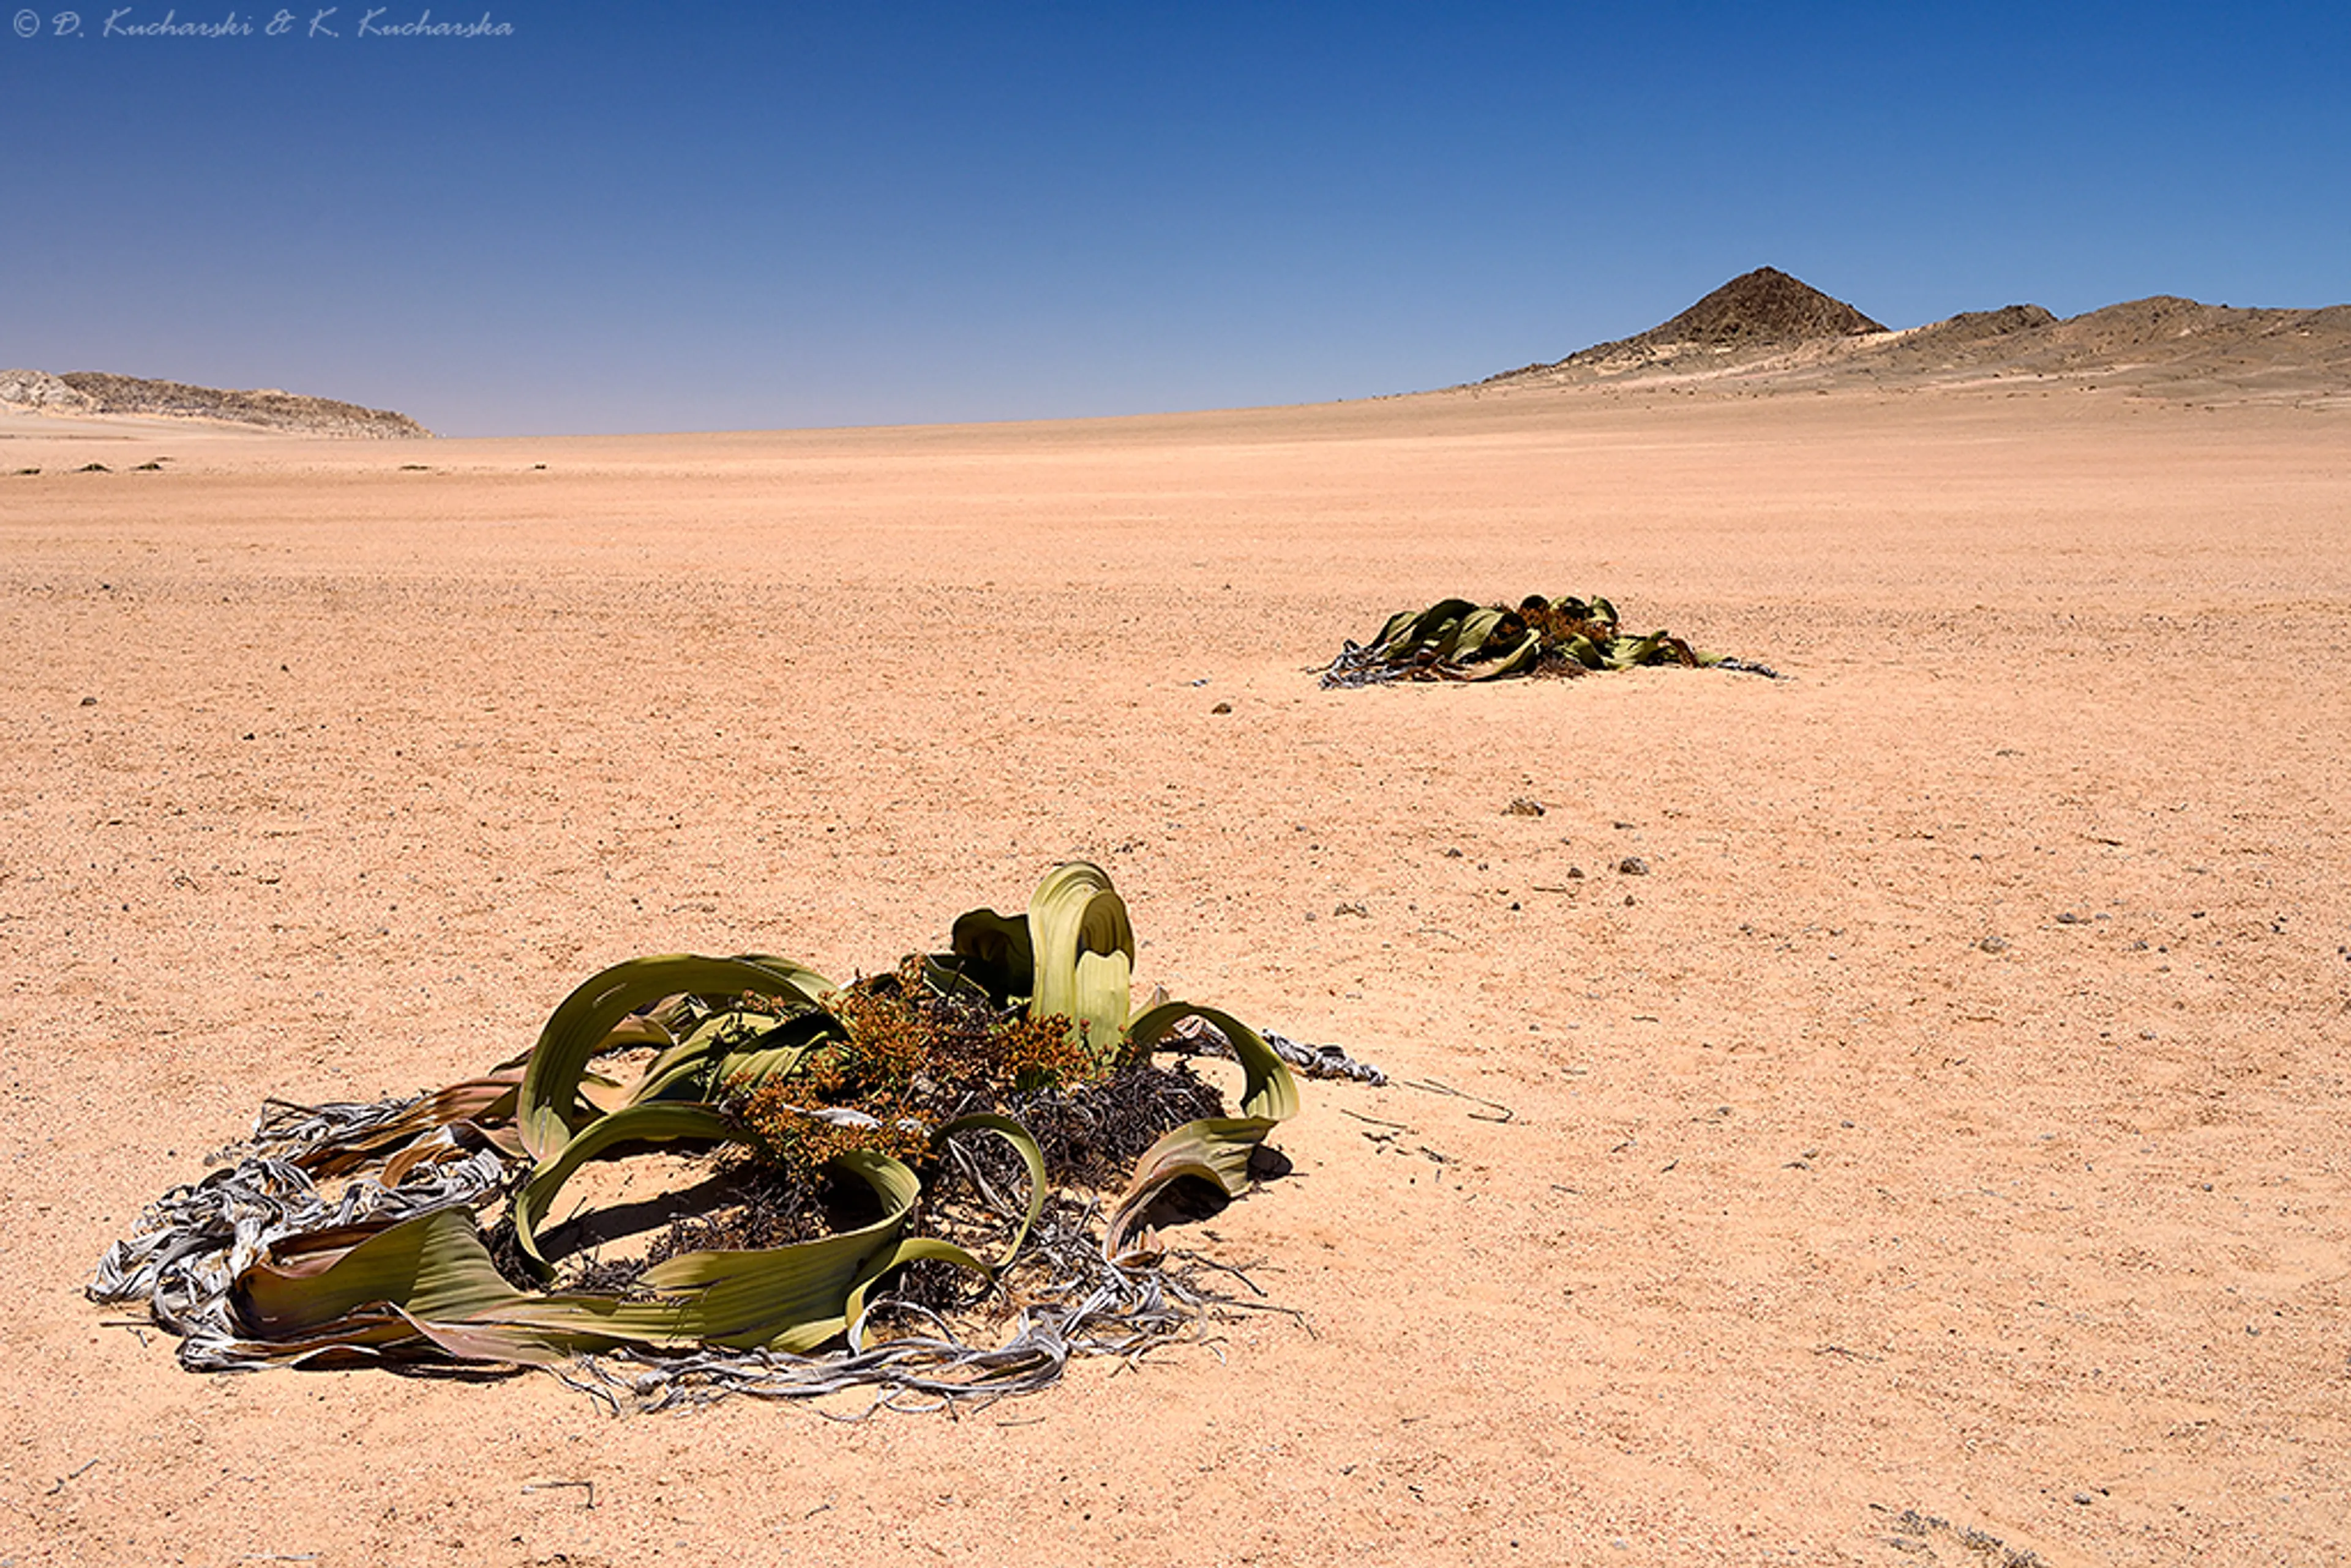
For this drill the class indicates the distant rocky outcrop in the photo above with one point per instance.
(1979, 326)
(41, 390)
(1766, 332)
(1764, 310)
(1765, 306)
(97, 394)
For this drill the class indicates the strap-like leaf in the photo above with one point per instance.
(1475, 627)
(1271, 1090)
(551, 1080)
(995, 951)
(704, 1064)
(1084, 954)
(430, 1279)
(1519, 659)
(1214, 1149)
(810, 984)
(791, 1297)
(1024, 1144)
(911, 1248)
(906, 1250)
(1419, 629)
(655, 1123)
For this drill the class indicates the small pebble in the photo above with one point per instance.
(89, 702)
(1222, 708)
(1632, 865)
(1994, 944)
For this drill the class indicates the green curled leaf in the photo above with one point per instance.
(1395, 627)
(995, 952)
(1519, 659)
(394, 1294)
(1271, 1090)
(790, 1298)
(1214, 1149)
(649, 1123)
(1024, 1144)
(906, 1250)
(704, 1062)
(1476, 628)
(1411, 630)
(549, 1109)
(1085, 948)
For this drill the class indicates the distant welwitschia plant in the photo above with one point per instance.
(1457, 640)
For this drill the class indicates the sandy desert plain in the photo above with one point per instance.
(1951, 1125)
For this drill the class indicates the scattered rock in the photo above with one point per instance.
(1222, 708)
(2067, 917)
(1994, 945)
(1524, 806)
(89, 702)
(1355, 909)
(1575, 874)
(1632, 865)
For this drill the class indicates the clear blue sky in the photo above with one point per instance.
(643, 217)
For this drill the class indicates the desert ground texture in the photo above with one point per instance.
(1949, 1124)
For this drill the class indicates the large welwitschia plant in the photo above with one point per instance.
(426, 1231)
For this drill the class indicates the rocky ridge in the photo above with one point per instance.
(1767, 332)
(98, 393)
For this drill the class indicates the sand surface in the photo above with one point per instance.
(1952, 1120)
